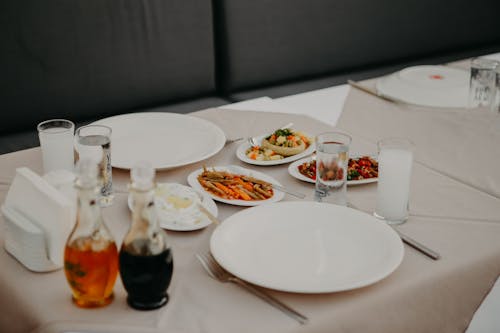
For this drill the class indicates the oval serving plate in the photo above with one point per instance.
(241, 154)
(277, 195)
(293, 170)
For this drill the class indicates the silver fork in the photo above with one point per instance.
(229, 141)
(218, 273)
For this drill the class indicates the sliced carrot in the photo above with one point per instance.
(246, 185)
(211, 188)
(231, 186)
(226, 189)
(242, 194)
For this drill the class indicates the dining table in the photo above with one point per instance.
(454, 209)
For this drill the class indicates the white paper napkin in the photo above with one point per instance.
(46, 207)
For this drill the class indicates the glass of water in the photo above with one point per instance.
(332, 158)
(395, 160)
(56, 141)
(94, 142)
(482, 82)
(495, 104)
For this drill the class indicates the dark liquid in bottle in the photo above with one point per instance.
(146, 278)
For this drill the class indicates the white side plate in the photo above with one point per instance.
(192, 219)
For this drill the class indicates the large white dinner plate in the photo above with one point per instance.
(434, 86)
(188, 219)
(241, 154)
(167, 140)
(277, 195)
(293, 170)
(306, 247)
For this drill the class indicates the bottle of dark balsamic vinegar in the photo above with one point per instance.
(146, 263)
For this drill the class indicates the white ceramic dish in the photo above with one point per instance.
(278, 195)
(306, 247)
(167, 140)
(294, 172)
(241, 154)
(187, 217)
(434, 86)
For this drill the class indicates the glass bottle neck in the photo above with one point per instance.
(143, 212)
(145, 236)
(89, 211)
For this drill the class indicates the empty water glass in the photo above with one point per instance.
(482, 82)
(56, 141)
(395, 159)
(495, 104)
(332, 158)
(93, 142)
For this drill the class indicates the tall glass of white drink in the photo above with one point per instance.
(395, 164)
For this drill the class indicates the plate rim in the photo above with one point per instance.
(382, 81)
(219, 133)
(292, 170)
(240, 153)
(397, 257)
(278, 195)
(207, 202)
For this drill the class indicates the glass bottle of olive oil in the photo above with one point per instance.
(90, 256)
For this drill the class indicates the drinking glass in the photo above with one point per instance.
(56, 141)
(94, 142)
(482, 82)
(332, 157)
(395, 159)
(495, 104)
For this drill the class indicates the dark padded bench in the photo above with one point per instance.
(85, 59)
(281, 47)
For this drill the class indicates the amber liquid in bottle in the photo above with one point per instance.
(91, 255)
(91, 272)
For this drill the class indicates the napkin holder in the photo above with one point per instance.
(38, 219)
(25, 241)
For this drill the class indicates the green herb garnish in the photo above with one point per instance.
(352, 174)
(281, 132)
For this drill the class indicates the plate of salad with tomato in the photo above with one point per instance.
(360, 170)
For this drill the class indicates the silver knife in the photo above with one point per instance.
(418, 246)
(410, 241)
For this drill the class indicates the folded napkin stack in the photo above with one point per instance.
(38, 220)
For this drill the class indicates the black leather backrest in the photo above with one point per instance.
(79, 59)
(271, 41)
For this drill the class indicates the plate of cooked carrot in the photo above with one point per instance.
(235, 185)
